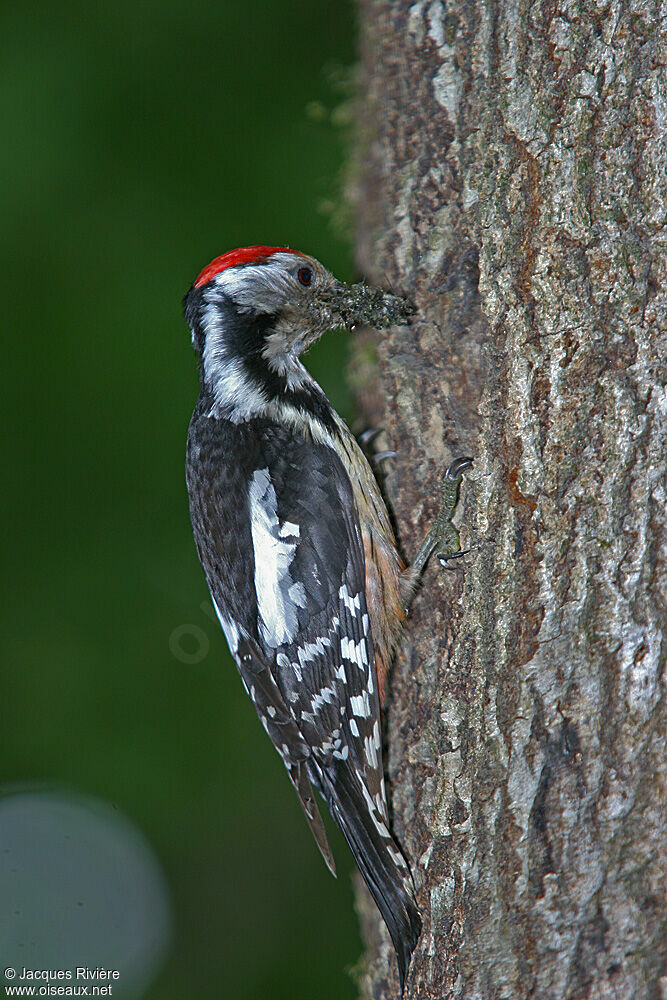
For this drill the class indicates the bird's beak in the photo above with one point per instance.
(363, 305)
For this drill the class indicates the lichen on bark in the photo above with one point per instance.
(516, 187)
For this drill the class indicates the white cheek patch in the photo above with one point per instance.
(274, 545)
(237, 395)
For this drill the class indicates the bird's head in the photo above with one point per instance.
(253, 311)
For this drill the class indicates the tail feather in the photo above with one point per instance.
(299, 778)
(381, 864)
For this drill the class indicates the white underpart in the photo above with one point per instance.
(281, 352)
(274, 545)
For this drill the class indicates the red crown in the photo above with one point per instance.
(244, 255)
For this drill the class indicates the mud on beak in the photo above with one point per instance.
(364, 305)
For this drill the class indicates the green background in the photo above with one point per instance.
(140, 141)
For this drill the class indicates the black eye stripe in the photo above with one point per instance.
(305, 276)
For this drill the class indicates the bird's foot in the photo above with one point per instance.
(445, 537)
(367, 439)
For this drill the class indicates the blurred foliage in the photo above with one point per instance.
(139, 141)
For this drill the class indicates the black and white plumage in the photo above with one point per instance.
(296, 545)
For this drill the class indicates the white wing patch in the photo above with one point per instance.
(361, 705)
(353, 651)
(353, 604)
(274, 545)
(312, 650)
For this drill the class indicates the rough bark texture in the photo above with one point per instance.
(513, 179)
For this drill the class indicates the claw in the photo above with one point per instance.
(382, 456)
(368, 436)
(443, 538)
(444, 557)
(457, 467)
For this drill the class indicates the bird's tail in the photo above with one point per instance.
(380, 862)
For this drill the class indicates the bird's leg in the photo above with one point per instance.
(443, 538)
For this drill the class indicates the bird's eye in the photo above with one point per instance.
(305, 276)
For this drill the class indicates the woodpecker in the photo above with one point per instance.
(297, 546)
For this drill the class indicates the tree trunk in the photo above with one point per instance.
(512, 178)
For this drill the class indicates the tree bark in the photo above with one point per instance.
(512, 177)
